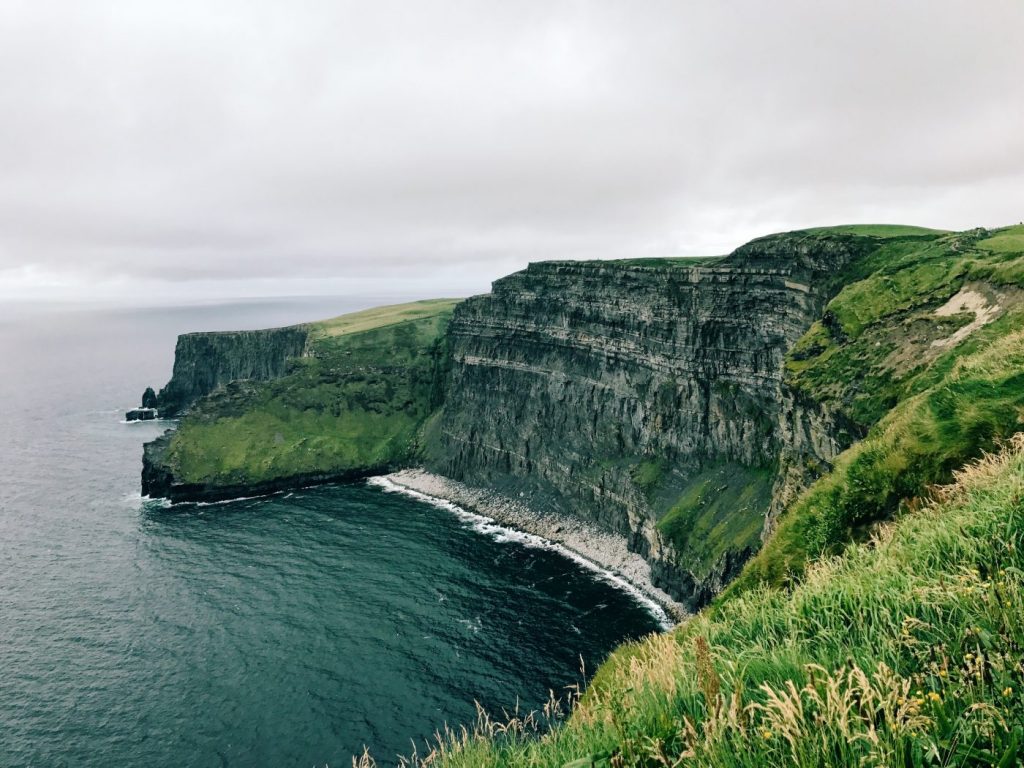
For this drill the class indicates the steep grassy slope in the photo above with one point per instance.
(721, 508)
(907, 650)
(355, 403)
(924, 357)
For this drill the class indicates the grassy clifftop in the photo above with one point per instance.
(356, 401)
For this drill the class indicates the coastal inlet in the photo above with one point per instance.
(288, 630)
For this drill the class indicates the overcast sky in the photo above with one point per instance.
(216, 148)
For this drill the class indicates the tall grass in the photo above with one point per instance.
(906, 650)
(978, 400)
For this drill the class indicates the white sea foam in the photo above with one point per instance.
(489, 527)
(229, 501)
(137, 498)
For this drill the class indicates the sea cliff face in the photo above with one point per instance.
(617, 391)
(644, 396)
(205, 361)
(324, 402)
(683, 404)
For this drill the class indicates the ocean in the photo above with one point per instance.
(290, 630)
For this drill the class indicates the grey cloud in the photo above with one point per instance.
(443, 143)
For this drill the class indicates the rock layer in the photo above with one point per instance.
(571, 381)
(205, 361)
(645, 397)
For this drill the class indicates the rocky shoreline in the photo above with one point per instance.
(603, 550)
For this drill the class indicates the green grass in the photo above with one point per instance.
(655, 262)
(878, 230)
(975, 398)
(648, 475)
(933, 275)
(904, 651)
(722, 509)
(378, 317)
(1006, 240)
(877, 333)
(358, 403)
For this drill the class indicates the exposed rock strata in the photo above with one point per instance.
(571, 375)
(205, 361)
(616, 392)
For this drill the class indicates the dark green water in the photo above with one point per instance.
(286, 631)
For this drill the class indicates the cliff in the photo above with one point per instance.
(732, 419)
(332, 401)
(692, 406)
(622, 390)
(205, 361)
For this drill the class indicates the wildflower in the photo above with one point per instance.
(942, 673)
(767, 734)
(934, 697)
(1007, 692)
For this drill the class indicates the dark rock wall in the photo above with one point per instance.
(602, 389)
(205, 361)
(571, 374)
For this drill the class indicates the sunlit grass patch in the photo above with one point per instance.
(378, 317)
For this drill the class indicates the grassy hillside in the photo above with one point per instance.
(357, 401)
(904, 651)
(720, 510)
(923, 356)
(879, 230)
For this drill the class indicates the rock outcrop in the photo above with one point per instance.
(353, 404)
(605, 389)
(205, 361)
